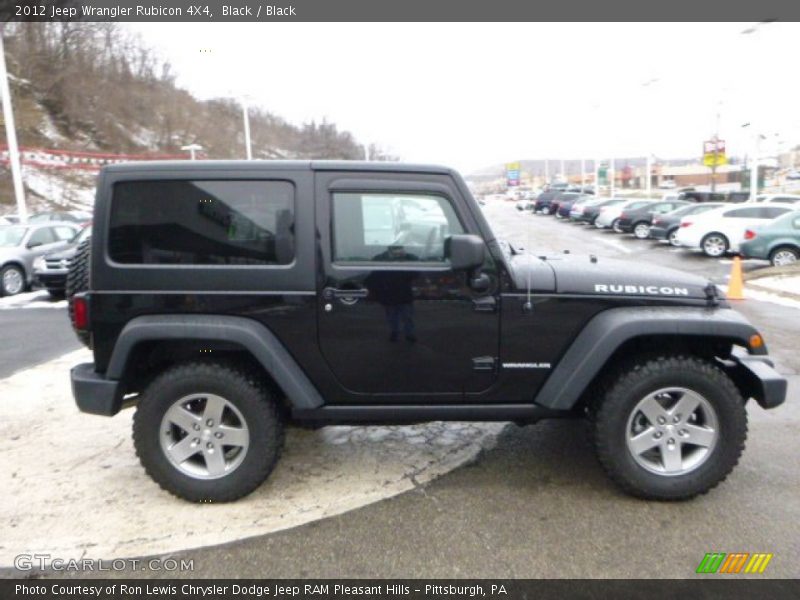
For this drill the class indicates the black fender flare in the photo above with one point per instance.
(608, 330)
(250, 334)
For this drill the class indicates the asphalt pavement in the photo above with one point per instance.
(537, 504)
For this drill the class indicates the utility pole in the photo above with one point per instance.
(583, 174)
(612, 171)
(246, 116)
(11, 135)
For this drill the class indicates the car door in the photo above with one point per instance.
(396, 323)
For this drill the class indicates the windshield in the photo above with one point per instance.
(81, 235)
(11, 236)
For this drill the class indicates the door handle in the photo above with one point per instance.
(330, 293)
(484, 304)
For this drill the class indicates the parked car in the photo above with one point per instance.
(719, 231)
(777, 241)
(793, 175)
(587, 213)
(543, 202)
(555, 204)
(565, 205)
(665, 227)
(667, 184)
(523, 205)
(609, 216)
(50, 271)
(69, 216)
(778, 198)
(20, 245)
(637, 220)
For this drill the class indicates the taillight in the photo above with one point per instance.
(622, 215)
(749, 234)
(80, 312)
(656, 221)
(686, 224)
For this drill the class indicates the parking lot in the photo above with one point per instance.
(422, 501)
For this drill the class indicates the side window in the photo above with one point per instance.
(391, 227)
(42, 236)
(745, 213)
(770, 212)
(64, 233)
(176, 222)
(796, 223)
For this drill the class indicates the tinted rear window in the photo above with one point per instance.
(175, 222)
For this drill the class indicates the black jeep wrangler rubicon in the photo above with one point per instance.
(226, 299)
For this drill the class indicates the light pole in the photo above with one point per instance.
(11, 135)
(754, 163)
(191, 149)
(246, 117)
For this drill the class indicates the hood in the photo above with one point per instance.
(576, 274)
(62, 254)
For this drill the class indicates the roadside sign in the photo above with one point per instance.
(714, 153)
(512, 174)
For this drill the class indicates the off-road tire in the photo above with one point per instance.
(245, 391)
(78, 282)
(621, 392)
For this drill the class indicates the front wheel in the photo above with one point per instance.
(784, 256)
(546, 210)
(670, 428)
(207, 432)
(672, 236)
(641, 231)
(615, 226)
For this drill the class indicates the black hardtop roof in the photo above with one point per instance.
(277, 165)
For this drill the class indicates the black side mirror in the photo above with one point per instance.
(465, 251)
(33, 245)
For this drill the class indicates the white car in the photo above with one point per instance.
(609, 215)
(721, 230)
(778, 198)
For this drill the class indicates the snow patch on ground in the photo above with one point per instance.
(37, 299)
(76, 191)
(84, 491)
(784, 284)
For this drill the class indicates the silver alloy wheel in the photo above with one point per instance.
(641, 231)
(204, 436)
(673, 238)
(13, 281)
(546, 210)
(784, 257)
(672, 431)
(715, 245)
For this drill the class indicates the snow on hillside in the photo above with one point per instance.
(47, 189)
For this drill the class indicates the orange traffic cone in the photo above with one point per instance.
(736, 284)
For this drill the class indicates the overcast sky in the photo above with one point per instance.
(474, 95)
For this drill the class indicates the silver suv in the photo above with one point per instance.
(20, 245)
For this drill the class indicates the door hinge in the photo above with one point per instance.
(484, 363)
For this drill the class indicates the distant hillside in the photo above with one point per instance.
(96, 87)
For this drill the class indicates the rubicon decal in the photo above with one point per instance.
(652, 290)
(733, 563)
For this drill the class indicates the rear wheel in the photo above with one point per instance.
(12, 280)
(714, 245)
(641, 230)
(785, 255)
(615, 226)
(207, 432)
(670, 428)
(546, 210)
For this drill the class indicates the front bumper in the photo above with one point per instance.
(94, 393)
(757, 378)
(658, 233)
(49, 280)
